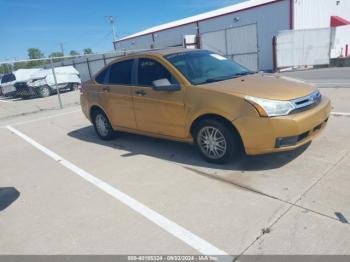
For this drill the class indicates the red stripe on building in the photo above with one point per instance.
(205, 19)
(338, 21)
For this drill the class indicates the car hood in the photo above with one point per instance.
(264, 86)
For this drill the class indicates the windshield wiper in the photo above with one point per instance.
(215, 79)
(244, 73)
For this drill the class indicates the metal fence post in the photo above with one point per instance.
(274, 53)
(226, 43)
(104, 59)
(88, 65)
(55, 79)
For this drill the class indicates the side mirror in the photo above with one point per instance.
(164, 85)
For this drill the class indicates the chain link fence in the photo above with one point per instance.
(35, 85)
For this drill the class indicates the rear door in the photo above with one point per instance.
(158, 112)
(117, 98)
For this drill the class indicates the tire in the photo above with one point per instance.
(102, 125)
(216, 142)
(74, 87)
(44, 91)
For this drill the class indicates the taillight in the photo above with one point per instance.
(81, 88)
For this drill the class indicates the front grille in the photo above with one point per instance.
(306, 102)
(304, 108)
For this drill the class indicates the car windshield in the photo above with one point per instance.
(201, 67)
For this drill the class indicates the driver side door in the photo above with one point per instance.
(157, 112)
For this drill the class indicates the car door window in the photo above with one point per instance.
(121, 73)
(150, 70)
(102, 77)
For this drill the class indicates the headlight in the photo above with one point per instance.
(267, 107)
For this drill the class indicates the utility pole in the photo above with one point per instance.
(111, 19)
(62, 50)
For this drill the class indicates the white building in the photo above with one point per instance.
(244, 31)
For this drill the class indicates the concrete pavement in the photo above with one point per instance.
(291, 203)
(293, 196)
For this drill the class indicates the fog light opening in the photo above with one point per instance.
(286, 141)
(291, 140)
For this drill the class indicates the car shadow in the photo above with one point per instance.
(183, 153)
(8, 195)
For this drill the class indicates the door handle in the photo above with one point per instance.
(106, 88)
(140, 92)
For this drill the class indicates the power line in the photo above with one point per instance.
(98, 42)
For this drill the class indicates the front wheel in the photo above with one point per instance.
(215, 141)
(44, 91)
(102, 125)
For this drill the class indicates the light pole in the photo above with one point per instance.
(56, 85)
(62, 50)
(111, 19)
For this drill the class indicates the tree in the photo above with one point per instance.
(22, 65)
(5, 68)
(56, 54)
(35, 53)
(87, 51)
(73, 52)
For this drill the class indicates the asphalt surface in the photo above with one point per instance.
(323, 78)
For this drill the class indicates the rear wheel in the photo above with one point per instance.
(44, 91)
(102, 125)
(215, 141)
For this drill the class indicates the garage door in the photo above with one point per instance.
(237, 43)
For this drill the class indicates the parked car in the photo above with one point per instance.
(42, 82)
(9, 80)
(0, 85)
(200, 97)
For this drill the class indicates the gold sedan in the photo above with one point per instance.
(200, 97)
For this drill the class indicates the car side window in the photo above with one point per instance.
(150, 70)
(121, 73)
(101, 78)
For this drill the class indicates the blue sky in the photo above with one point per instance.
(81, 23)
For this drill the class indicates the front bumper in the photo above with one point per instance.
(262, 135)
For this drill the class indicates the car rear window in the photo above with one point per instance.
(8, 78)
(101, 78)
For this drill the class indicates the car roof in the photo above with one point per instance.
(165, 51)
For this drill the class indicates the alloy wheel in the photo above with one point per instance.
(212, 142)
(101, 125)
